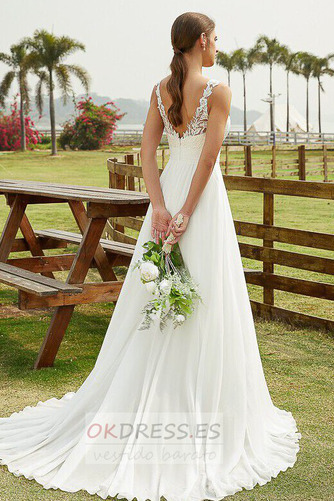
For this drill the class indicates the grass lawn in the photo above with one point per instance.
(298, 363)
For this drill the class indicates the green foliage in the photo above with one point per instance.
(45, 139)
(92, 128)
(175, 291)
(155, 254)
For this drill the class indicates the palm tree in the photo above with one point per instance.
(305, 62)
(289, 62)
(18, 62)
(48, 52)
(319, 69)
(244, 61)
(269, 52)
(226, 61)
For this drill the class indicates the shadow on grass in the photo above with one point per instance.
(21, 338)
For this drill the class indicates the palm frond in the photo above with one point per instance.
(43, 80)
(63, 78)
(5, 86)
(81, 74)
(6, 58)
(66, 46)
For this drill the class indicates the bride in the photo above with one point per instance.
(202, 423)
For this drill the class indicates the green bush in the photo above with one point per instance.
(92, 128)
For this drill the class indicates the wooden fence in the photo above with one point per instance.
(300, 162)
(277, 161)
(126, 175)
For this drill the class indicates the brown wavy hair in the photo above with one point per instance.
(186, 30)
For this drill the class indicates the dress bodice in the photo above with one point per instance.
(194, 136)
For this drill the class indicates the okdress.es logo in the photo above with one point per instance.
(155, 437)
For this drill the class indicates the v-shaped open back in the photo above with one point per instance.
(197, 124)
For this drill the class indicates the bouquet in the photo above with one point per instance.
(165, 275)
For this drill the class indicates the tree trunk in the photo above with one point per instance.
(319, 105)
(52, 118)
(271, 104)
(22, 120)
(245, 106)
(307, 106)
(229, 78)
(287, 105)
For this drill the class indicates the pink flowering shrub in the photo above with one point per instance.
(92, 128)
(10, 130)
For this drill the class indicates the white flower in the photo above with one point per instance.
(149, 271)
(155, 314)
(151, 286)
(180, 319)
(165, 286)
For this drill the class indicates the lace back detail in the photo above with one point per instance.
(198, 123)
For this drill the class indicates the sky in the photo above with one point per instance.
(128, 46)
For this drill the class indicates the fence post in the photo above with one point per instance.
(226, 159)
(324, 147)
(268, 266)
(120, 181)
(129, 159)
(248, 160)
(301, 162)
(112, 176)
(163, 158)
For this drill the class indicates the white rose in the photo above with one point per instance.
(165, 286)
(180, 319)
(151, 286)
(149, 271)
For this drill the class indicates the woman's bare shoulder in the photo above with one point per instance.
(221, 94)
(199, 81)
(222, 88)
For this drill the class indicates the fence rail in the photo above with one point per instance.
(274, 161)
(126, 175)
(133, 136)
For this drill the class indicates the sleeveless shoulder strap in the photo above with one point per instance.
(211, 84)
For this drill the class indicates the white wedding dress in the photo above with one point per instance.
(209, 366)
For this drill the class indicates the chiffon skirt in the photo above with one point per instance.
(206, 370)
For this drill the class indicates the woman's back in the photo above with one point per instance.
(194, 123)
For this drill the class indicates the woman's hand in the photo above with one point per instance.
(159, 223)
(175, 230)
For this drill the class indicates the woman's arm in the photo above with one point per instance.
(151, 138)
(219, 112)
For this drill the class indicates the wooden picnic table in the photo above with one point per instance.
(33, 276)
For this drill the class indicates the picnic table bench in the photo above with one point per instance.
(34, 276)
(33, 282)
